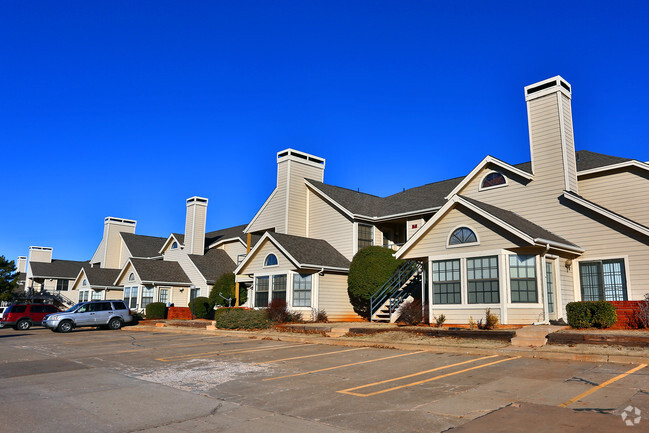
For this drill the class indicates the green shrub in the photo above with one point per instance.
(241, 318)
(201, 307)
(371, 267)
(587, 314)
(156, 310)
(226, 286)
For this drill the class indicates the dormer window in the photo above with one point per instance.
(174, 245)
(463, 235)
(492, 180)
(271, 260)
(85, 283)
(131, 276)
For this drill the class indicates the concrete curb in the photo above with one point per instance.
(332, 341)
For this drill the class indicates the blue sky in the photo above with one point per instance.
(126, 108)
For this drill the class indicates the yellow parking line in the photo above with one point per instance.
(226, 352)
(180, 345)
(608, 382)
(344, 365)
(310, 356)
(348, 391)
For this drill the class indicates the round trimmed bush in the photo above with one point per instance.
(587, 314)
(371, 267)
(201, 307)
(156, 310)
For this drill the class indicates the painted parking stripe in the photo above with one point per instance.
(213, 343)
(342, 366)
(349, 390)
(598, 387)
(227, 352)
(311, 356)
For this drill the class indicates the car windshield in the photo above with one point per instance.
(74, 308)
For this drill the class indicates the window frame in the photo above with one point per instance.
(266, 265)
(308, 291)
(358, 236)
(148, 298)
(67, 285)
(484, 178)
(466, 244)
(447, 282)
(625, 274)
(519, 279)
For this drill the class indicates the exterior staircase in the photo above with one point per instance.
(406, 281)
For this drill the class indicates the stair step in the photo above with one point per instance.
(528, 341)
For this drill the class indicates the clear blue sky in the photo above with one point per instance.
(126, 108)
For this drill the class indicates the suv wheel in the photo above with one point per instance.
(23, 325)
(65, 326)
(114, 323)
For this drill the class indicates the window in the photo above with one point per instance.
(365, 236)
(147, 295)
(301, 290)
(131, 276)
(261, 291)
(446, 282)
(84, 296)
(130, 296)
(163, 296)
(62, 285)
(119, 305)
(463, 235)
(271, 260)
(549, 282)
(522, 277)
(95, 295)
(482, 280)
(279, 287)
(85, 283)
(603, 280)
(493, 179)
(104, 306)
(193, 293)
(174, 245)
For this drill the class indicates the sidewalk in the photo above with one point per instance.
(409, 338)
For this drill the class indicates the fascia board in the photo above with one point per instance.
(632, 163)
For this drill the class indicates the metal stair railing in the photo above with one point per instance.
(401, 277)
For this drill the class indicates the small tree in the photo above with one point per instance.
(371, 267)
(201, 307)
(8, 279)
(226, 286)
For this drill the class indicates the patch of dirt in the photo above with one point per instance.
(410, 338)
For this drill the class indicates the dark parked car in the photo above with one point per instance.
(22, 316)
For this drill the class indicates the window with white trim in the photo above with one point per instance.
(365, 236)
(163, 296)
(278, 291)
(302, 290)
(482, 280)
(493, 179)
(262, 287)
(62, 285)
(147, 295)
(95, 295)
(522, 279)
(130, 296)
(131, 276)
(271, 260)
(174, 245)
(446, 282)
(462, 235)
(603, 280)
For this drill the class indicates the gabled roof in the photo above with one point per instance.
(213, 264)
(231, 233)
(510, 221)
(64, 269)
(180, 238)
(304, 253)
(143, 246)
(575, 198)
(100, 277)
(157, 271)
(587, 160)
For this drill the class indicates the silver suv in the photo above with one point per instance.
(104, 314)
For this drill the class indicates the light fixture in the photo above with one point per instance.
(182, 290)
(568, 264)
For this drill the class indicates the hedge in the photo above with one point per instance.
(241, 318)
(156, 310)
(201, 307)
(589, 314)
(371, 267)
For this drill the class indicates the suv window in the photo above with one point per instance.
(17, 308)
(119, 305)
(104, 306)
(37, 309)
(50, 309)
(87, 307)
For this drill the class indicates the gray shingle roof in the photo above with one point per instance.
(102, 277)
(520, 223)
(227, 233)
(64, 269)
(160, 271)
(308, 251)
(179, 237)
(586, 160)
(213, 264)
(143, 246)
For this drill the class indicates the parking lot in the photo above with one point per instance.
(127, 380)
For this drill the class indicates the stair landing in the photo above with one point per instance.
(534, 335)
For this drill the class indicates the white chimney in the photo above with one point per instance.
(111, 244)
(195, 225)
(40, 254)
(552, 145)
(21, 264)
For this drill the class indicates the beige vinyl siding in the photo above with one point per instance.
(178, 298)
(272, 215)
(377, 237)
(328, 223)
(625, 192)
(524, 316)
(233, 249)
(124, 254)
(114, 295)
(570, 144)
(188, 267)
(461, 315)
(334, 300)
(256, 263)
(567, 287)
(409, 230)
(98, 256)
(114, 249)
(297, 205)
(123, 279)
(435, 241)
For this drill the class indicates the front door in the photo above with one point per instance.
(550, 284)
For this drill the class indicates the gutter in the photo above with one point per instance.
(559, 245)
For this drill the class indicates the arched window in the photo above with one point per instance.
(463, 235)
(271, 260)
(174, 245)
(85, 283)
(493, 179)
(131, 276)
